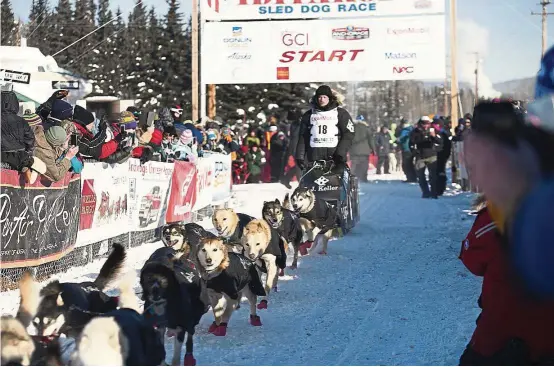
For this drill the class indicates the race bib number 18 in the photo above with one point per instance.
(324, 134)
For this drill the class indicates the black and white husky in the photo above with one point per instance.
(318, 218)
(61, 306)
(287, 224)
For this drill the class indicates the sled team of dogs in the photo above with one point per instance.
(196, 270)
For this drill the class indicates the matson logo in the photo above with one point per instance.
(350, 33)
(321, 56)
(400, 55)
(407, 31)
(402, 69)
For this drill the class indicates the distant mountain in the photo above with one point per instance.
(518, 88)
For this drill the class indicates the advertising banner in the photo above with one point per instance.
(38, 223)
(148, 190)
(183, 193)
(312, 9)
(222, 177)
(104, 201)
(204, 183)
(368, 49)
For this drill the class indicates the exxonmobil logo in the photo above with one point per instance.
(402, 69)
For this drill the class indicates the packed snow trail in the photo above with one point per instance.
(392, 292)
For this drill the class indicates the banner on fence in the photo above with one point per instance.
(104, 200)
(360, 49)
(183, 193)
(38, 223)
(148, 189)
(204, 183)
(222, 177)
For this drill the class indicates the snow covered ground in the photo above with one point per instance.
(392, 292)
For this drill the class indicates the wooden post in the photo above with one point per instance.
(194, 77)
(454, 66)
(211, 101)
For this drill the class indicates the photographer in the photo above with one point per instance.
(51, 148)
(427, 143)
(100, 142)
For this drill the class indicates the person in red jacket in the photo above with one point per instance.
(514, 327)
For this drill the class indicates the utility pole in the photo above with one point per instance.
(211, 101)
(544, 15)
(454, 65)
(195, 70)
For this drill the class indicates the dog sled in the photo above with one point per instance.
(339, 190)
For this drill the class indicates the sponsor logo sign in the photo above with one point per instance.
(282, 73)
(350, 33)
(239, 56)
(295, 39)
(403, 31)
(236, 39)
(402, 69)
(400, 55)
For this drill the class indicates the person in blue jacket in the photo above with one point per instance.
(407, 155)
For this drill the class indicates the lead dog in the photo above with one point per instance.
(286, 222)
(265, 247)
(319, 218)
(175, 297)
(229, 277)
(60, 303)
(230, 225)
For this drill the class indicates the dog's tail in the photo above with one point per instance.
(29, 299)
(112, 267)
(286, 202)
(127, 296)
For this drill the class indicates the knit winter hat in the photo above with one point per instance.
(212, 135)
(55, 135)
(324, 90)
(32, 119)
(273, 128)
(186, 136)
(61, 110)
(126, 117)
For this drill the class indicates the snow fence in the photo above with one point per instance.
(52, 226)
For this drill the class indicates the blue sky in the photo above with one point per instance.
(503, 31)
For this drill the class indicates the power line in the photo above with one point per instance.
(95, 30)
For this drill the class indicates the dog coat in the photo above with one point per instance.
(190, 300)
(322, 214)
(194, 233)
(290, 227)
(237, 235)
(276, 247)
(145, 346)
(240, 273)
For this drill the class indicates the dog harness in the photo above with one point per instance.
(236, 276)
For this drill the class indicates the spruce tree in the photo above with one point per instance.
(64, 32)
(8, 30)
(134, 49)
(152, 94)
(102, 57)
(39, 29)
(116, 75)
(176, 55)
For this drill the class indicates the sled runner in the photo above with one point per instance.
(339, 190)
